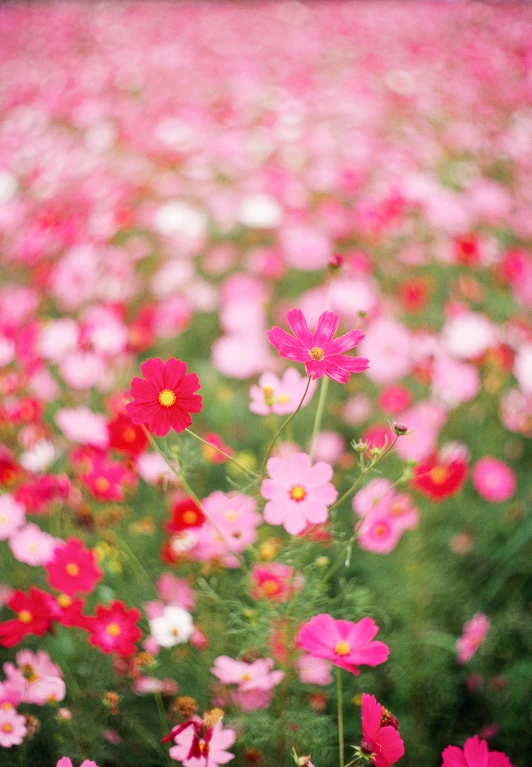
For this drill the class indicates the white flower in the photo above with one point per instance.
(523, 368)
(173, 627)
(175, 218)
(260, 211)
(468, 335)
(39, 457)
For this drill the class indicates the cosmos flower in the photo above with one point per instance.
(319, 351)
(73, 568)
(493, 480)
(12, 727)
(474, 754)
(166, 398)
(113, 629)
(381, 742)
(473, 635)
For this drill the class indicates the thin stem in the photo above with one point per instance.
(362, 475)
(340, 714)
(282, 427)
(226, 455)
(319, 413)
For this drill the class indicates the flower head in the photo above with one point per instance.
(474, 754)
(297, 492)
(319, 351)
(381, 741)
(165, 399)
(493, 480)
(201, 742)
(11, 516)
(34, 616)
(113, 629)
(173, 626)
(473, 635)
(12, 728)
(346, 644)
(73, 568)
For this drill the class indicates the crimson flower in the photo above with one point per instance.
(73, 568)
(126, 436)
(166, 398)
(381, 741)
(185, 513)
(439, 478)
(33, 616)
(114, 629)
(319, 351)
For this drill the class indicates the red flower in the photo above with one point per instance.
(212, 455)
(414, 294)
(69, 612)
(126, 436)
(185, 513)
(73, 568)
(40, 492)
(166, 398)
(439, 478)
(33, 616)
(114, 629)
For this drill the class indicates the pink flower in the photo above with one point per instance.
(83, 426)
(378, 534)
(11, 516)
(473, 635)
(38, 679)
(346, 644)
(12, 728)
(474, 754)
(235, 525)
(454, 382)
(298, 493)
(279, 395)
(215, 754)
(381, 740)
(176, 591)
(321, 354)
(32, 546)
(314, 670)
(66, 762)
(248, 676)
(493, 480)
(275, 581)
(390, 344)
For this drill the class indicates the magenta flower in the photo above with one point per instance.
(382, 743)
(474, 754)
(346, 644)
(320, 353)
(473, 635)
(298, 493)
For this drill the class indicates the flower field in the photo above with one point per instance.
(266, 384)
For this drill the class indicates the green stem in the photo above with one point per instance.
(362, 475)
(319, 413)
(226, 455)
(282, 427)
(340, 714)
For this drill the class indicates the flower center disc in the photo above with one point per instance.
(439, 474)
(72, 569)
(342, 648)
(25, 616)
(166, 398)
(297, 493)
(189, 517)
(316, 353)
(113, 629)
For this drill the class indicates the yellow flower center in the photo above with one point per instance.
(297, 493)
(72, 569)
(6, 706)
(316, 353)
(166, 398)
(270, 587)
(189, 517)
(268, 395)
(439, 474)
(129, 434)
(231, 515)
(7, 728)
(64, 601)
(3, 520)
(246, 677)
(283, 398)
(342, 648)
(101, 484)
(25, 616)
(113, 629)
(379, 530)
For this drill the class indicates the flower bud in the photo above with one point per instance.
(400, 429)
(360, 447)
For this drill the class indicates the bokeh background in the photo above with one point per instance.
(174, 178)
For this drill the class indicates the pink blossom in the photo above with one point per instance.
(454, 382)
(388, 343)
(357, 410)
(66, 762)
(233, 527)
(319, 351)
(12, 516)
(217, 754)
(83, 426)
(378, 534)
(380, 735)
(12, 728)
(474, 754)
(38, 679)
(280, 395)
(424, 421)
(346, 644)
(468, 335)
(473, 635)
(493, 480)
(58, 338)
(153, 468)
(297, 492)
(258, 675)
(329, 447)
(176, 591)
(305, 247)
(32, 546)
(314, 670)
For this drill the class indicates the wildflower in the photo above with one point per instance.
(381, 743)
(73, 568)
(274, 581)
(280, 396)
(32, 546)
(200, 743)
(346, 644)
(234, 527)
(297, 492)
(492, 479)
(173, 626)
(474, 754)
(66, 762)
(12, 728)
(257, 675)
(33, 616)
(125, 436)
(11, 516)
(113, 629)
(107, 479)
(439, 477)
(210, 454)
(166, 398)
(473, 635)
(314, 670)
(319, 351)
(38, 679)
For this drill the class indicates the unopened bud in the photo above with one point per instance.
(400, 429)
(360, 447)
(336, 262)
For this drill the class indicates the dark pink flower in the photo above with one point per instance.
(320, 353)
(381, 739)
(474, 754)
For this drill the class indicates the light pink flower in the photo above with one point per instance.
(235, 525)
(321, 353)
(493, 480)
(220, 741)
(38, 679)
(297, 492)
(83, 426)
(176, 591)
(388, 343)
(424, 421)
(32, 546)
(329, 446)
(378, 534)
(454, 382)
(153, 468)
(257, 675)
(474, 754)
(473, 635)
(314, 670)
(280, 395)
(12, 728)
(12, 516)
